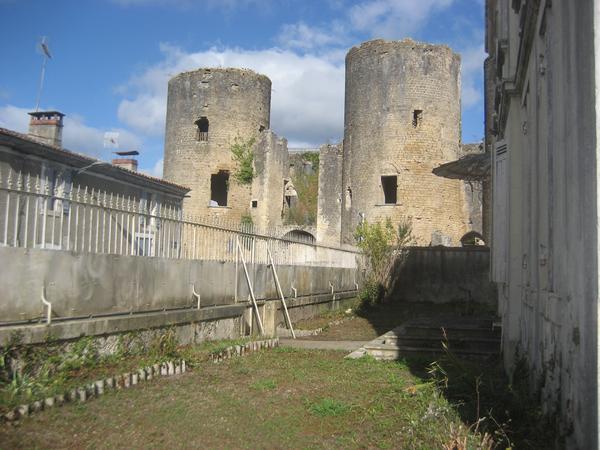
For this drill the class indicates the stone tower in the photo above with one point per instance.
(402, 119)
(208, 110)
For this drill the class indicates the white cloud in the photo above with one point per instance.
(394, 18)
(472, 70)
(77, 136)
(228, 5)
(14, 118)
(156, 170)
(302, 36)
(307, 99)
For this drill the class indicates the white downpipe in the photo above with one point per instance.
(196, 295)
(48, 305)
(295, 291)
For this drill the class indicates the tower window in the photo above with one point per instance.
(255, 203)
(202, 133)
(390, 189)
(219, 185)
(417, 117)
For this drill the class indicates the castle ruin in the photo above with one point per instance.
(402, 119)
(208, 112)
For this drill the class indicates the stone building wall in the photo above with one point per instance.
(271, 167)
(329, 210)
(236, 103)
(402, 118)
(474, 193)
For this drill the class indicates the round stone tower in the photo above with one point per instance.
(402, 119)
(209, 110)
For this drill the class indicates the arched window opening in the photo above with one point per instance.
(472, 238)
(202, 133)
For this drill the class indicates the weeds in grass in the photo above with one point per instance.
(502, 414)
(264, 385)
(34, 371)
(287, 350)
(328, 407)
(216, 347)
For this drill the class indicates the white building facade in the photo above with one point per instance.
(542, 76)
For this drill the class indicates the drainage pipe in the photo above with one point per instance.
(196, 294)
(48, 305)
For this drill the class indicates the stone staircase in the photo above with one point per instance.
(465, 337)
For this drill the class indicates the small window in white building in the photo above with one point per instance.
(390, 189)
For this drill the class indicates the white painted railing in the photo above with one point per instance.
(37, 212)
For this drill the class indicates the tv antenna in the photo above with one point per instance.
(111, 139)
(43, 49)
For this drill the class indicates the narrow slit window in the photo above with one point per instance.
(202, 126)
(417, 117)
(390, 189)
(255, 203)
(219, 185)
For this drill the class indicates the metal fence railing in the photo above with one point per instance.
(39, 212)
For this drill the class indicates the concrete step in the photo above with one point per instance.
(470, 338)
(392, 352)
(471, 343)
(451, 332)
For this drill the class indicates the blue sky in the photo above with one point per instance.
(112, 59)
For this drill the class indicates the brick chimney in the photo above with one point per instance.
(46, 127)
(126, 163)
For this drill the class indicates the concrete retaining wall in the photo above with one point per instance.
(104, 295)
(84, 285)
(444, 274)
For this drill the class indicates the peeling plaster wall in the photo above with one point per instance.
(545, 242)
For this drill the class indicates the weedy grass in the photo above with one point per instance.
(258, 401)
(293, 398)
(264, 385)
(328, 407)
(29, 373)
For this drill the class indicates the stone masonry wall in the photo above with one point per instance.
(237, 105)
(386, 82)
(330, 194)
(271, 167)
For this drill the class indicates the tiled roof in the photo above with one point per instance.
(26, 143)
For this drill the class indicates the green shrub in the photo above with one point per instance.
(382, 245)
(371, 294)
(243, 154)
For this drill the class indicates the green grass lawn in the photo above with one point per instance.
(281, 398)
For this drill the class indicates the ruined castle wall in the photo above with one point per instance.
(329, 210)
(474, 193)
(271, 166)
(402, 118)
(236, 104)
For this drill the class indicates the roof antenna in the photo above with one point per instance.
(45, 52)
